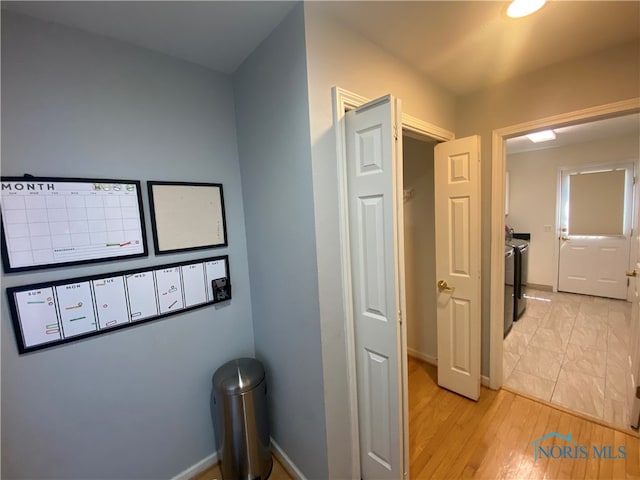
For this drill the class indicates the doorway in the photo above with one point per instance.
(419, 248)
(567, 345)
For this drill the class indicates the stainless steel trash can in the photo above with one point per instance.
(240, 420)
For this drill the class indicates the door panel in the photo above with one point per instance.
(375, 208)
(457, 200)
(594, 266)
(377, 409)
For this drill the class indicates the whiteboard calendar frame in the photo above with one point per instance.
(93, 311)
(36, 185)
(187, 216)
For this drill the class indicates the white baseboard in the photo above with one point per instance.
(199, 467)
(423, 356)
(286, 462)
(212, 459)
(484, 380)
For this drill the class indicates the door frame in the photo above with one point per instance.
(498, 155)
(343, 101)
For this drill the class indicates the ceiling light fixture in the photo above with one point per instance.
(543, 136)
(522, 8)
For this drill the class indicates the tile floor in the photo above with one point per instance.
(572, 350)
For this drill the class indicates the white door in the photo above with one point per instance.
(633, 392)
(634, 384)
(596, 208)
(457, 200)
(374, 180)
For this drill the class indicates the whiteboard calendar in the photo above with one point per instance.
(52, 221)
(59, 312)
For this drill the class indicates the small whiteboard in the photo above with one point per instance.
(187, 216)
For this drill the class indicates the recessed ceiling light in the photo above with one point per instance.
(543, 136)
(522, 8)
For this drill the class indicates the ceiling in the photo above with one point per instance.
(217, 35)
(626, 125)
(468, 45)
(462, 45)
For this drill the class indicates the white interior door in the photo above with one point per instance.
(596, 208)
(633, 393)
(457, 201)
(634, 384)
(374, 180)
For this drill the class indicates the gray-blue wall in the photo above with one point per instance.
(272, 115)
(135, 403)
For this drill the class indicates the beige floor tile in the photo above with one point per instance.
(594, 308)
(527, 324)
(537, 307)
(561, 297)
(581, 392)
(569, 310)
(621, 306)
(591, 320)
(585, 360)
(563, 325)
(550, 339)
(540, 362)
(531, 385)
(617, 351)
(620, 329)
(590, 331)
(616, 384)
(516, 342)
(541, 294)
(509, 361)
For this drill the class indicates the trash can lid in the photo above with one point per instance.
(238, 376)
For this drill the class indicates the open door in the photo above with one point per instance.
(374, 182)
(457, 201)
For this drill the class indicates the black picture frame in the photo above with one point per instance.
(219, 290)
(187, 216)
(43, 189)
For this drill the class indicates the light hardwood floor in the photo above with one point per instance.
(213, 473)
(452, 437)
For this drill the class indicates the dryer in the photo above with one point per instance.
(521, 274)
(509, 273)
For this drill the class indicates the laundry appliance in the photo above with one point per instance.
(521, 274)
(509, 273)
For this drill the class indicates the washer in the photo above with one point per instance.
(509, 272)
(521, 274)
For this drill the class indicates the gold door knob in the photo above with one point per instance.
(443, 287)
(632, 273)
